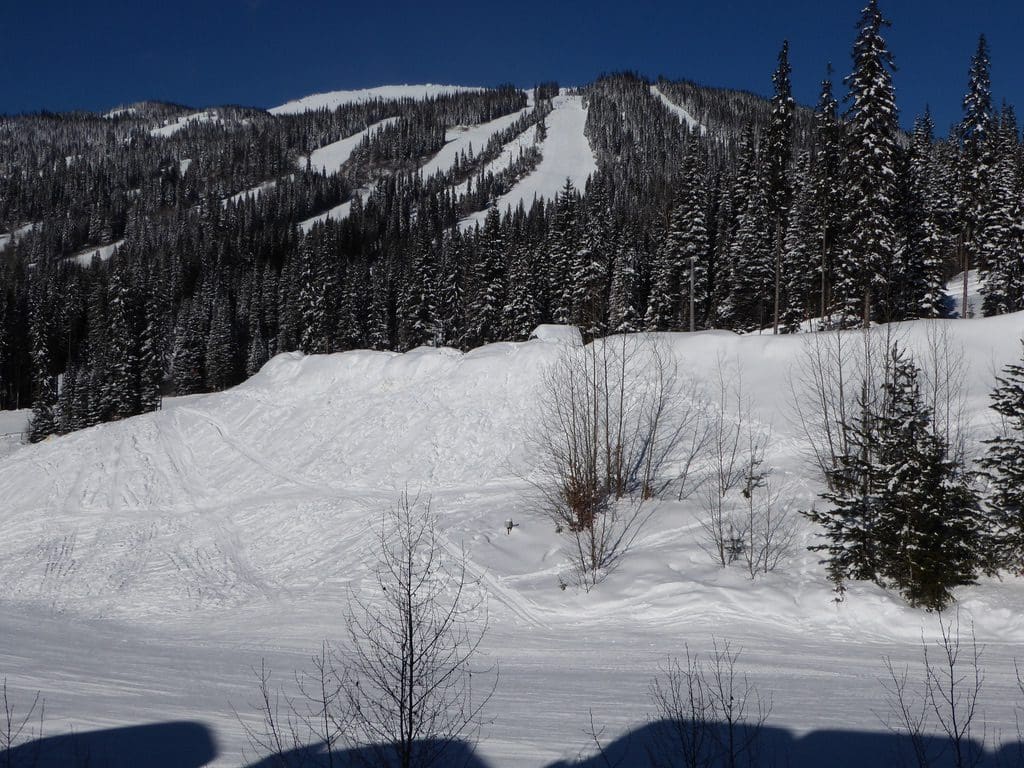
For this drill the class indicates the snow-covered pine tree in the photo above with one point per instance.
(928, 534)
(752, 261)
(1001, 236)
(484, 320)
(122, 352)
(562, 240)
(829, 194)
(778, 154)
(1003, 465)
(591, 267)
(974, 163)
(870, 244)
(901, 511)
(931, 226)
(43, 421)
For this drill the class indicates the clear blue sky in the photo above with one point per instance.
(60, 55)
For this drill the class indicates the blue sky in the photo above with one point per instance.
(59, 55)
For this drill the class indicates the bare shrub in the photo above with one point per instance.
(19, 728)
(399, 693)
(943, 699)
(409, 682)
(616, 428)
(707, 713)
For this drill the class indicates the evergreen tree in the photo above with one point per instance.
(901, 511)
(873, 130)
(1003, 465)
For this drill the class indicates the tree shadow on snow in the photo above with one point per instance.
(456, 754)
(777, 748)
(160, 745)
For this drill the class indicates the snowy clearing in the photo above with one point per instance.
(334, 99)
(566, 155)
(148, 564)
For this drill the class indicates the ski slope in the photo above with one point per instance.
(463, 139)
(103, 253)
(329, 158)
(147, 565)
(180, 123)
(566, 154)
(684, 116)
(334, 99)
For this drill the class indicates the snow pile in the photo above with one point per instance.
(334, 99)
(566, 155)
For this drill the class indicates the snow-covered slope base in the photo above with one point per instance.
(147, 565)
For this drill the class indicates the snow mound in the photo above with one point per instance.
(334, 99)
(559, 334)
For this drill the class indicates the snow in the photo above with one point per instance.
(559, 334)
(172, 127)
(955, 292)
(462, 138)
(566, 155)
(184, 165)
(330, 158)
(12, 237)
(121, 111)
(254, 192)
(335, 99)
(12, 426)
(678, 111)
(147, 565)
(104, 252)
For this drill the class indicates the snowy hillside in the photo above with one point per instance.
(566, 155)
(232, 526)
(335, 99)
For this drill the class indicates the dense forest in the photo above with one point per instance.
(763, 216)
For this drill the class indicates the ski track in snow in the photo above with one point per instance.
(566, 154)
(147, 565)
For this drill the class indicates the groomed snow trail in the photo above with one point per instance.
(147, 565)
(678, 111)
(566, 155)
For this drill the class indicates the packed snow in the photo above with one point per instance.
(12, 427)
(566, 155)
(678, 111)
(334, 99)
(147, 565)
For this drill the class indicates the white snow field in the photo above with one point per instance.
(12, 237)
(566, 154)
(103, 253)
(464, 138)
(146, 566)
(335, 99)
(678, 111)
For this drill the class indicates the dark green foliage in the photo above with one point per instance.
(901, 511)
(1003, 465)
